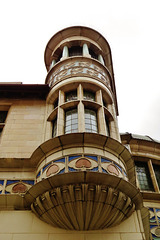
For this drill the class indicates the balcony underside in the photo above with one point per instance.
(83, 200)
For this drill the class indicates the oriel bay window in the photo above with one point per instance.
(71, 121)
(80, 110)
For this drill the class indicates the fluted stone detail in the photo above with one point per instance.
(83, 207)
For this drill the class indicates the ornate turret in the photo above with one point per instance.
(85, 177)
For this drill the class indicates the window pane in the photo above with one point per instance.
(107, 127)
(143, 175)
(70, 96)
(88, 95)
(71, 124)
(54, 132)
(90, 121)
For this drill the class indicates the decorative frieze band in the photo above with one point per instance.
(78, 68)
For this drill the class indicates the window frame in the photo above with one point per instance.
(90, 120)
(71, 119)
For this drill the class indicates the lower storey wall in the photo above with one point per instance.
(24, 225)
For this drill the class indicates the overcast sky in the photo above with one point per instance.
(132, 28)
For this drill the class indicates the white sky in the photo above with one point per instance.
(132, 28)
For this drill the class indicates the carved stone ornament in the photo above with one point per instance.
(83, 207)
(78, 68)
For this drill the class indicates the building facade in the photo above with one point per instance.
(66, 172)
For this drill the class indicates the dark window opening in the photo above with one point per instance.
(1, 131)
(75, 51)
(54, 130)
(88, 95)
(56, 103)
(157, 173)
(70, 96)
(107, 127)
(3, 115)
(93, 54)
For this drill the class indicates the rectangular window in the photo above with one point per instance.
(88, 95)
(90, 121)
(54, 131)
(107, 126)
(143, 175)
(71, 123)
(70, 96)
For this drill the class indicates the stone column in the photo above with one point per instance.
(48, 125)
(114, 130)
(86, 50)
(60, 114)
(52, 64)
(81, 119)
(100, 58)
(65, 53)
(100, 114)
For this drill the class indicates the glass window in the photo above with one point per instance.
(3, 115)
(157, 173)
(143, 175)
(71, 96)
(54, 131)
(90, 121)
(89, 95)
(71, 123)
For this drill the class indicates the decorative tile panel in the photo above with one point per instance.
(155, 222)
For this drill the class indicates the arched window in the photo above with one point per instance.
(71, 121)
(90, 121)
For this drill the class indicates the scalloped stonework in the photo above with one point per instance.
(83, 207)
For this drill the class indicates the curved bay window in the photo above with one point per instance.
(90, 121)
(71, 121)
